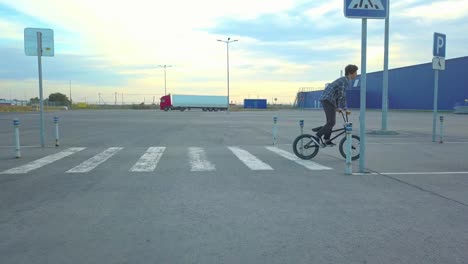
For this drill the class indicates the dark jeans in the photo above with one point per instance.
(330, 113)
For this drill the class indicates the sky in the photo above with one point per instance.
(111, 51)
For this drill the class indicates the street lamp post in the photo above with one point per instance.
(165, 66)
(227, 48)
(71, 102)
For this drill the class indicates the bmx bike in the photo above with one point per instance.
(307, 146)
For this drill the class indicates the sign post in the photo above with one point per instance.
(438, 63)
(385, 75)
(39, 42)
(364, 9)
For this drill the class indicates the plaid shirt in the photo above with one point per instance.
(335, 92)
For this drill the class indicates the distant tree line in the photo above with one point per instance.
(54, 98)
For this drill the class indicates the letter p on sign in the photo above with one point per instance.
(439, 45)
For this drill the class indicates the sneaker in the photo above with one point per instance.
(329, 143)
(317, 129)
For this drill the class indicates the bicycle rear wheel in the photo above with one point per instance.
(305, 146)
(355, 147)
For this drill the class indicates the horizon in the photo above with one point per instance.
(115, 47)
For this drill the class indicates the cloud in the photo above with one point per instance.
(10, 31)
(15, 65)
(440, 10)
(299, 23)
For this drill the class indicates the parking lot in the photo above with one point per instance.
(202, 187)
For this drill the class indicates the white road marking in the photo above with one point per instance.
(42, 162)
(306, 163)
(198, 160)
(95, 161)
(149, 160)
(250, 160)
(415, 143)
(415, 173)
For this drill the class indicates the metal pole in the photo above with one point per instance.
(71, 103)
(41, 97)
(227, 45)
(165, 92)
(362, 117)
(349, 139)
(441, 129)
(17, 138)
(56, 122)
(434, 116)
(165, 76)
(385, 74)
(227, 62)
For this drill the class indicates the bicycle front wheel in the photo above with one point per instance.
(355, 147)
(305, 146)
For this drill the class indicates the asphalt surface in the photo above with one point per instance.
(212, 189)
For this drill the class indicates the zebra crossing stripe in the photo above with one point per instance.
(250, 160)
(42, 161)
(95, 161)
(149, 160)
(198, 160)
(306, 163)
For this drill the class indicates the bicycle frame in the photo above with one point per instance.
(345, 120)
(343, 130)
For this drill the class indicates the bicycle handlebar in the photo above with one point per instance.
(345, 118)
(348, 112)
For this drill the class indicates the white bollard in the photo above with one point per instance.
(349, 141)
(301, 125)
(441, 129)
(56, 122)
(17, 138)
(275, 130)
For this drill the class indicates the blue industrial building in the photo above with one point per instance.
(409, 87)
(255, 103)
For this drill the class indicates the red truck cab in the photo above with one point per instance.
(165, 102)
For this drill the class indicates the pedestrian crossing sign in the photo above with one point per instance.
(366, 8)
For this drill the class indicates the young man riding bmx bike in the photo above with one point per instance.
(333, 100)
